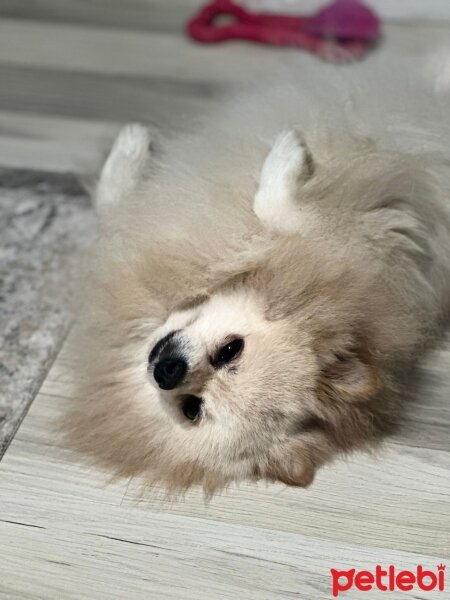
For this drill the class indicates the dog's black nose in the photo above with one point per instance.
(169, 372)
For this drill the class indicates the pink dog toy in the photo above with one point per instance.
(341, 31)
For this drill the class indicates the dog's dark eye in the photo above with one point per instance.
(191, 407)
(228, 352)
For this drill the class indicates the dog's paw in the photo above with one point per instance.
(288, 165)
(125, 165)
(134, 141)
(130, 149)
(288, 162)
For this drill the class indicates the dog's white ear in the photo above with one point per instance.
(125, 166)
(288, 166)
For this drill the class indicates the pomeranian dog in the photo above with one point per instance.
(261, 285)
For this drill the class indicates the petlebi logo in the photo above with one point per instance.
(388, 579)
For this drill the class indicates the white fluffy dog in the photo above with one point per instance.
(260, 286)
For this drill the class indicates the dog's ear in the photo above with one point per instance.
(292, 466)
(125, 166)
(350, 376)
(287, 167)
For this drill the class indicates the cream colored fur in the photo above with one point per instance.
(311, 218)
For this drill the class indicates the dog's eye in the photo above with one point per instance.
(191, 407)
(228, 352)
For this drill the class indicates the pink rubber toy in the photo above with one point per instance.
(344, 30)
(345, 20)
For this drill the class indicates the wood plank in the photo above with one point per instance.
(50, 143)
(131, 54)
(155, 101)
(70, 57)
(396, 500)
(427, 417)
(149, 15)
(171, 15)
(114, 552)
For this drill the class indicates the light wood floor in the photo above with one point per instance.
(65, 532)
(72, 71)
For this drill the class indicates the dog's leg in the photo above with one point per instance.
(125, 165)
(288, 166)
